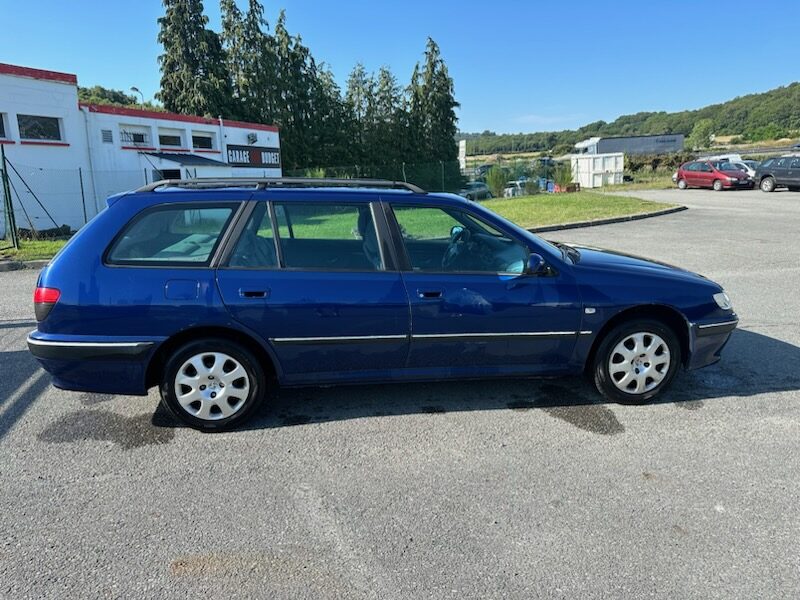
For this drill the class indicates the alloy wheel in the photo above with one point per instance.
(639, 362)
(212, 386)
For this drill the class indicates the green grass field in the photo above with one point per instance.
(555, 209)
(527, 211)
(31, 250)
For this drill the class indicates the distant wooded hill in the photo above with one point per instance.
(767, 116)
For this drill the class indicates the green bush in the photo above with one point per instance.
(563, 174)
(532, 187)
(496, 179)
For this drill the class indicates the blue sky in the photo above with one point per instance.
(517, 65)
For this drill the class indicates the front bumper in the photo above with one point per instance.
(746, 184)
(707, 339)
(93, 365)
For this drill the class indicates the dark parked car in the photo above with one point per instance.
(779, 172)
(217, 290)
(712, 174)
(475, 190)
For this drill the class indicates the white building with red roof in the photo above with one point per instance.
(66, 158)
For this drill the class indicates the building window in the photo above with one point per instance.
(131, 135)
(2, 126)
(33, 127)
(170, 137)
(202, 141)
(107, 135)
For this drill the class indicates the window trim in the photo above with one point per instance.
(235, 205)
(405, 261)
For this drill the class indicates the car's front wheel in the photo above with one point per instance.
(636, 361)
(768, 184)
(212, 384)
(717, 185)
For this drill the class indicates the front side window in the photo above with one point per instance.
(32, 127)
(451, 240)
(783, 163)
(328, 236)
(184, 236)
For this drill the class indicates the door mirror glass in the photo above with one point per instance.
(536, 265)
(455, 230)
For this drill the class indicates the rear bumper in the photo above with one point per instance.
(94, 365)
(707, 339)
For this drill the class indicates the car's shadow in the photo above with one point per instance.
(752, 364)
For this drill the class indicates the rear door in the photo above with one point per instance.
(793, 174)
(471, 305)
(315, 279)
(690, 174)
(780, 170)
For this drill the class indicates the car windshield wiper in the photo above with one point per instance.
(569, 252)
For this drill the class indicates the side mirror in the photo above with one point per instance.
(536, 265)
(455, 230)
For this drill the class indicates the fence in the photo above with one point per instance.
(44, 200)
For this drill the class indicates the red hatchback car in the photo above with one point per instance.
(712, 174)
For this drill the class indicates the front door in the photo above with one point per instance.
(471, 304)
(319, 288)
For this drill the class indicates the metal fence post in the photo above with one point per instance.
(83, 196)
(11, 223)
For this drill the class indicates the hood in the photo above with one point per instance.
(619, 261)
(734, 173)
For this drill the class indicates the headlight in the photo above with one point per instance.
(733, 179)
(723, 301)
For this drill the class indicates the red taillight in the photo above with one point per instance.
(45, 295)
(43, 301)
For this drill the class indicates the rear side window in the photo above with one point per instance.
(172, 235)
(327, 236)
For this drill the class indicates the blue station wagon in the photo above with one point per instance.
(217, 290)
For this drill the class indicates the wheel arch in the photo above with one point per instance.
(157, 362)
(668, 315)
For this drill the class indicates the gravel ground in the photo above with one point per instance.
(512, 489)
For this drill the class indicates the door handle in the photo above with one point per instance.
(253, 293)
(429, 294)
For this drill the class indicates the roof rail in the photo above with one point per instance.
(265, 182)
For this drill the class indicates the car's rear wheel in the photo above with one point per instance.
(212, 384)
(636, 361)
(682, 184)
(717, 185)
(768, 184)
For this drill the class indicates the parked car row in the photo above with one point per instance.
(720, 174)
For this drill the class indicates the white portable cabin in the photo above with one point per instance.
(597, 170)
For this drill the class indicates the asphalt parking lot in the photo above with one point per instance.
(481, 490)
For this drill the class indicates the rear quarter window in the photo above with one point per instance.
(186, 235)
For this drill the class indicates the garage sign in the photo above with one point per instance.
(254, 156)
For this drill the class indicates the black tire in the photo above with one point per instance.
(682, 184)
(242, 404)
(717, 185)
(603, 379)
(767, 184)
